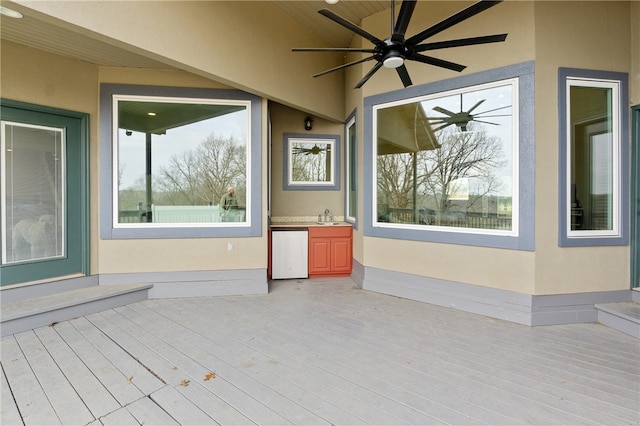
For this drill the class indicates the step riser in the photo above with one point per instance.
(41, 319)
(623, 325)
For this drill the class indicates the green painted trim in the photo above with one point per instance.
(78, 255)
(635, 196)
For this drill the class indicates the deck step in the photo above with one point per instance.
(622, 316)
(28, 314)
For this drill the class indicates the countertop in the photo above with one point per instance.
(306, 224)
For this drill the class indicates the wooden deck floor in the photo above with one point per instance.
(315, 352)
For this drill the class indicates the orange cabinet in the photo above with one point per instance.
(330, 251)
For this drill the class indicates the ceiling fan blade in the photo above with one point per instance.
(332, 49)
(492, 110)
(404, 75)
(460, 42)
(442, 127)
(437, 62)
(476, 105)
(372, 71)
(454, 19)
(444, 111)
(485, 122)
(349, 25)
(406, 10)
(343, 66)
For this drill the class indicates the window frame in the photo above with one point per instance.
(523, 237)
(351, 169)
(109, 94)
(330, 185)
(618, 82)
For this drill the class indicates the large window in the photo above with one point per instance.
(446, 161)
(181, 162)
(592, 158)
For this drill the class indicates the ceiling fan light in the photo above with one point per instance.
(393, 62)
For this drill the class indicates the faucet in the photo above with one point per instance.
(326, 213)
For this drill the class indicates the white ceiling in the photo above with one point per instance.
(46, 36)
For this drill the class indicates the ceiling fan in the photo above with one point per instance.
(462, 118)
(395, 49)
(315, 150)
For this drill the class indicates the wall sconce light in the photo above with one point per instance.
(308, 123)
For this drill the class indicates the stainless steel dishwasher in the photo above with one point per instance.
(289, 253)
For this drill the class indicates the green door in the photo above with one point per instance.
(44, 186)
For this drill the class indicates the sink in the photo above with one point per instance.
(328, 223)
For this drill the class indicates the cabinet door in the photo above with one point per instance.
(341, 255)
(319, 255)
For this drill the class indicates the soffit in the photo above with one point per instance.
(47, 36)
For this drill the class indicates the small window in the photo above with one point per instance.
(311, 162)
(184, 162)
(351, 177)
(592, 168)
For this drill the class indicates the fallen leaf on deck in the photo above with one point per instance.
(184, 383)
(210, 376)
(53, 324)
(129, 379)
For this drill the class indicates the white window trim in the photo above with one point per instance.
(348, 171)
(168, 99)
(332, 159)
(616, 166)
(515, 225)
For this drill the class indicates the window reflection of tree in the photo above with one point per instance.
(430, 177)
(310, 162)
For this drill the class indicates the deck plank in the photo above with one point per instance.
(194, 345)
(121, 417)
(66, 401)
(129, 366)
(216, 408)
(264, 369)
(322, 352)
(179, 407)
(155, 336)
(96, 397)
(35, 408)
(147, 412)
(164, 371)
(109, 375)
(8, 409)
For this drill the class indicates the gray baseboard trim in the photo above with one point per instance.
(572, 308)
(501, 304)
(357, 272)
(495, 303)
(26, 291)
(195, 283)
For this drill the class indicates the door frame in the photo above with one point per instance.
(80, 262)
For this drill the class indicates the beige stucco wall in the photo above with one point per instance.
(32, 76)
(596, 36)
(244, 43)
(593, 35)
(294, 202)
(193, 254)
(502, 269)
